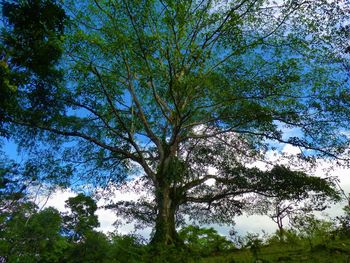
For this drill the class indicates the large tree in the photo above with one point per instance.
(190, 94)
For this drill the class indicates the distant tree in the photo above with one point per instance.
(311, 194)
(31, 236)
(254, 242)
(81, 218)
(344, 220)
(313, 229)
(87, 245)
(169, 89)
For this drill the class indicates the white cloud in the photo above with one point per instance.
(254, 224)
(56, 199)
(106, 218)
(290, 149)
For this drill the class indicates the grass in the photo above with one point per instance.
(337, 251)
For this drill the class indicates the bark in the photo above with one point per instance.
(168, 198)
(165, 229)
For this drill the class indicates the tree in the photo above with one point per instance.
(315, 194)
(81, 219)
(78, 224)
(344, 220)
(170, 89)
(313, 229)
(32, 236)
(12, 187)
(26, 234)
(15, 181)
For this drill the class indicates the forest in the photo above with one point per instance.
(191, 104)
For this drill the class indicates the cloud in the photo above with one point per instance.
(254, 224)
(56, 199)
(291, 150)
(106, 219)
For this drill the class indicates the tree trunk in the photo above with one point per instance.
(165, 229)
(168, 199)
(279, 221)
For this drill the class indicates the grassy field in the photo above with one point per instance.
(337, 251)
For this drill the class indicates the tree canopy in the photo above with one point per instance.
(30, 46)
(172, 90)
(81, 219)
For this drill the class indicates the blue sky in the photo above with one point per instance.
(10, 149)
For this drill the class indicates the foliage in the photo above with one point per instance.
(7, 91)
(162, 253)
(33, 37)
(81, 218)
(31, 44)
(12, 187)
(127, 249)
(30, 236)
(204, 241)
(170, 89)
(94, 248)
(288, 236)
(344, 220)
(313, 229)
(318, 196)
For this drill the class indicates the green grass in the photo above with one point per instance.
(337, 251)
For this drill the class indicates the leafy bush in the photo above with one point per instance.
(169, 253)
(315, 231)
(288, 237)
(204, 241)
(127, 249)
(254, 243)
(94, 248)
